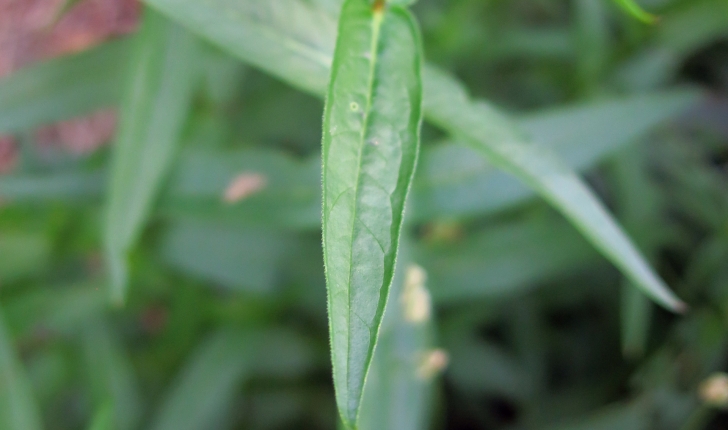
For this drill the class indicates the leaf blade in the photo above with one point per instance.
(370, 144)
(62, 88)
(18, 410)
(157, 100)
(207, 383)
(487, 131)
(633, 265)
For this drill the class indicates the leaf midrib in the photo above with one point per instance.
(377, 18)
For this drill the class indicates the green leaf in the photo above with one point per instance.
(371, 132)
(504, 260)
(66, 186)
(453, 181)
(158, 98)
(291, 39)
(205, 387)
(242, 259)
(295, 50)
(398, 389)
(636, 11)
(634, 416)
(103, 418)
(639, 204)
(23, 255)
(287, 192)
(636, 316)
(18, 410)
(111, 375)
(62, 88)
(493, 135)
(64, 309)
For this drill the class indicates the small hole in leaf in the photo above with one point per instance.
(354, 106)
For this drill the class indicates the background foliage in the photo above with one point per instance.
(224, 324)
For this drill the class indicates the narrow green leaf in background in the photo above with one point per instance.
(158, 98)
(492, 134)
(398, 389)
(111, 375)
(504, 260)
(103, 419)
(636, 11)
(18, 410)
(243, 259)
(638, 202)
(630, 416)
(63, 88)
(371, 139)
(447, 105)
(203, 391)
(23, 254)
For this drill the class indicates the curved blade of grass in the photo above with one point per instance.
(636, 11)
(477, 123)
(62, 88)
(371, 129)
(157, 101)
(111, 375)
(18, 410)
(640, 205)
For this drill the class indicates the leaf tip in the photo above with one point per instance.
(681, 307)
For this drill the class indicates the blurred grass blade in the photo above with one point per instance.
(398, 390)
(636, 316)
(291, 39)
(23, 254)
(62, 88)
(639, 202)
(454, 181)
(67, 186)
(446, 105)
(111, 375)
(241, 259)
(371, 128)
(157, 101)
(204, 389)
(504, 260)
(489, 132)
(64, 309)
(285, 192)
(18, 410)
(636, 11)
(103, 419)
(634, 416)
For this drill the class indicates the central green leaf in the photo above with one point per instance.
(370, 144)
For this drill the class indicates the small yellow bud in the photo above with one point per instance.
(416, 301)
